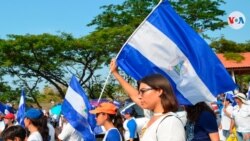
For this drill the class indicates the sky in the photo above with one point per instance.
(49, 16)
(54, 16)
(71, 16)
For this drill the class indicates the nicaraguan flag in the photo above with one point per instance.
(75, 109)
(21, 109)
(165, 44)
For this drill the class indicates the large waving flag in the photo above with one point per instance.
(75, 109)
(21, 109)
(165, 44)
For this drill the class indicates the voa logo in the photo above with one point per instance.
(236, 20)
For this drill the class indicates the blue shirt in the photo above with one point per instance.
(205, 124)
(112, 135)
(132, 128)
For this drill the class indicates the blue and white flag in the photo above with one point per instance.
(75, 109)
(21, 109)
(230, 96)
(164, 43)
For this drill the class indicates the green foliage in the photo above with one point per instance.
(223, 45)
(50, 58)
(202, 15)
(234, 56)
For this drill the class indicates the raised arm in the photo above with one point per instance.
(128, 88)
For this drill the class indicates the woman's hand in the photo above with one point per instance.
(113, 66)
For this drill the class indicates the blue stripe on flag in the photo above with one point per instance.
(75, 109)
(176, 51)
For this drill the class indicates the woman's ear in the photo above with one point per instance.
(159, 92)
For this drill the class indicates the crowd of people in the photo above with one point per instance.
(155, 94)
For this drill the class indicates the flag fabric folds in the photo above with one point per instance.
(165, 44)
(75, 109)
(21, 109)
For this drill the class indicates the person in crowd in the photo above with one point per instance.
(36, 123)
(50, 126)
(9, 120)
(226, 117)
(108, 115)
(241, 118)
(14, 133)
(69, 133)
(130, 126)
(155, 93)
(201, 124)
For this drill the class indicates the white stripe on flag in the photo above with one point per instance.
(76, 101)
(170, 56)
(21, 101)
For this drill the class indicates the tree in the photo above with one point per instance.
(52, 58)
(202, 15)
(223, 45)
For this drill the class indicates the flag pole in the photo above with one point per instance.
(106, 81)
(104, 86)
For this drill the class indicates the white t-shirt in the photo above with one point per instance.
(241, 117)
(69, 134)
(225, 120)
(168, 129)
(35, 136)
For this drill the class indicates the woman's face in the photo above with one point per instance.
(7, 121)
(101, 118)
(237, 100)
(149, 97)
(26, 122)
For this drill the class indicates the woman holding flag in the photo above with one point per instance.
(155, 93)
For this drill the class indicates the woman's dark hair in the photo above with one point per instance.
(41, 124)
(193, 112)
(118, 122)
(168, 99)
(12, 132)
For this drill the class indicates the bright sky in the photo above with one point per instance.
(51, 16)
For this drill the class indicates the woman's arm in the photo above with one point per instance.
(214, 136)
(129, 89)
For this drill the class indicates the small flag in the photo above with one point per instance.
(164, 43)
(21, 109)
(75, 109)
(230, 96)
